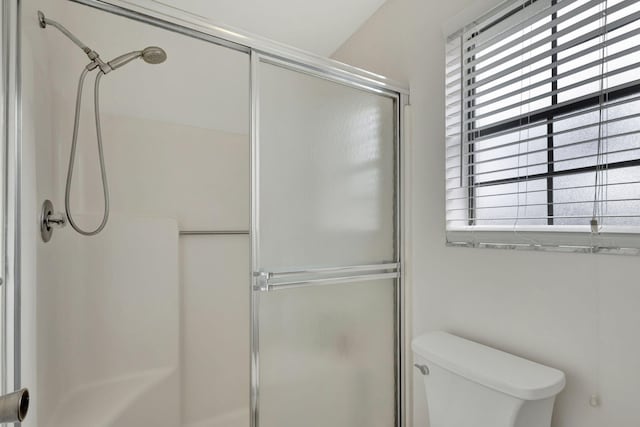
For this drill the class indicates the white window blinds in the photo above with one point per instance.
(543, 126)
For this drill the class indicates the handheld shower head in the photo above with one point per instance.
(154, 55)
(151, 55)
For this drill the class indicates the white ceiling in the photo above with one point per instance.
(318, 26)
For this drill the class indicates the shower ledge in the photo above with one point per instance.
(100, 404)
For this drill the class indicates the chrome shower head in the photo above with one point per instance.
(151, 55)
(154, 55)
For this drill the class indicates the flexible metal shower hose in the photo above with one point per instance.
(72, 158)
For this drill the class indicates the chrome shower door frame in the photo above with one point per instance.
(173, 19)
(318, 277)
(10, 197)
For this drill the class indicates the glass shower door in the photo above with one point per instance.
(325, 258)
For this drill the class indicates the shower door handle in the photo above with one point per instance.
(270, 281)
(14, 406)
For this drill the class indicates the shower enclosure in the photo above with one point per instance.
(250, 271)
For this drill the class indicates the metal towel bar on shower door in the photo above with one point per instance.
(213, 232)
(274, 280)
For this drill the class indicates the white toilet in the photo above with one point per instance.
(472, 385)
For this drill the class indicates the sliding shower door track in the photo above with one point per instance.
(180, 21)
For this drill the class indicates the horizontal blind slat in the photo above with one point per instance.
(513, 193)
(607, 105)
(473, 49)
(555, 78)
(551, 65)
(555, 36)
(536, 115)
(554, 162)
(553, 134)
(600, 31)
(470, 40)
(531, 205)
(567, 88)
(557, 148)
(523, 218)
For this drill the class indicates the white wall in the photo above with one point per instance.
(578, 313)
(295, 23)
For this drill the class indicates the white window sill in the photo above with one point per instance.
(619, 240)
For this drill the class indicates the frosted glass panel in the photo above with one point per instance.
(327, 356)
(326, 172)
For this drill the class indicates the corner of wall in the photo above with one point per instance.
(379, 45)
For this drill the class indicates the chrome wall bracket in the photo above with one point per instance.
(424, 369)
(50, 220)
(263, 281)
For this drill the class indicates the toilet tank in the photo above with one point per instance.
(471, 385)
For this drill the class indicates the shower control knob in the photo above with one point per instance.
(50, 220)
(57, 220)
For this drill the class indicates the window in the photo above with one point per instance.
(543, 126)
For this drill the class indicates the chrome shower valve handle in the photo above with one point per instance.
(57, 220)
(50, 220)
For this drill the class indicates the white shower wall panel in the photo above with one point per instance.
(110, 336)
(198, 176)
(175, 135)
(200, 84)
(215, 331)
(108, 323)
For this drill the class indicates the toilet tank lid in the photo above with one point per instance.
(487, 366)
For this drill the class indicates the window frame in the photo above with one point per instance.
(549, 116)
(565, 238)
